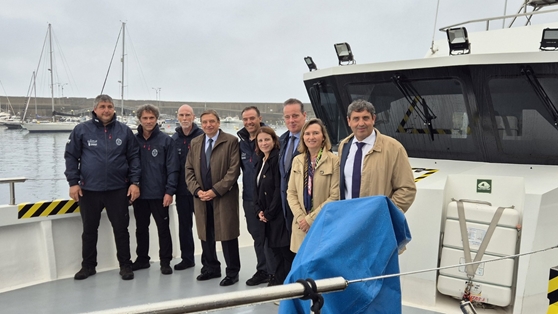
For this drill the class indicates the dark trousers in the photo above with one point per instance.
(256, 228)
(143, 209)
(284, 258)
(91, 205)
(185, 209)
(209, 258)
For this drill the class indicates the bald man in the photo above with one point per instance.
(184, 199)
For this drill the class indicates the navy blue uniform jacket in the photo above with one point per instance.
(182, 145)
(102, 158)
(159, 165)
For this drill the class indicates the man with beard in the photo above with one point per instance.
(187, 131)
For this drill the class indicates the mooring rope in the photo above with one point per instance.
(450, 266)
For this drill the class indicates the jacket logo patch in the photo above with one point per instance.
(118, 142)
(154, 153)
(91, 142)
(243, 156)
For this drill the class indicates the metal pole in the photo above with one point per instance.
(123, 53)
(505, 11)
(232, 299)
(12, 193)
(51, 70)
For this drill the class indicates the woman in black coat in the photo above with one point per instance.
(268, 203)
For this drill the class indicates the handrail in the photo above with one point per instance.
(12, 182)
(443, 29)
(231, 299)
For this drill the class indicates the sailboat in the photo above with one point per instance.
(54, 125)
(130, 120)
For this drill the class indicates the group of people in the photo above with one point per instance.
(286, 179)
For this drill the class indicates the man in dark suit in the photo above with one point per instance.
(212, 170)
(295, 116)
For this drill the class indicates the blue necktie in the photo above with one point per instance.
(289, 153)
(208, 152)
(357, 169)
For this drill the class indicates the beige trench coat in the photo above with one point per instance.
(386, 171)
(225, 169)
(325, 189)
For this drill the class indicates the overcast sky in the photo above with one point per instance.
(221, 50)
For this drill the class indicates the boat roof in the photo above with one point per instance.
(503, 46)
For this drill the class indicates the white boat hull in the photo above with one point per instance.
(50, 127)
(51, 246)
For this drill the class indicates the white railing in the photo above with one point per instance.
(12, 182)
(503, 17)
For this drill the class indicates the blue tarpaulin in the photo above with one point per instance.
(358, 238)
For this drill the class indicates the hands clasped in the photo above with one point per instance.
(206, 196)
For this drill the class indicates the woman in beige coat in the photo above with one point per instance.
(314, 179)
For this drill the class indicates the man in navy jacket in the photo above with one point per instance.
(184, 199)
(159, 177)
(103, 171)
(248, 158)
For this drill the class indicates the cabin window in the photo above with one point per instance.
(524, 122)
(398, 118)
(325, 105)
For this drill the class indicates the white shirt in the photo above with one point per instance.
(260, 174)
(348, 170)
(214, 138)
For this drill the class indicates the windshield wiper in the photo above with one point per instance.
(413, 97)
(541, 93)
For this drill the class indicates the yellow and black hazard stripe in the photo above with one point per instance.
(401, 128)
(47, 208)
(553, 291)
(426, 174)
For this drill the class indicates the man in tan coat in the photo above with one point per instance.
(212, 170)
(372, 163)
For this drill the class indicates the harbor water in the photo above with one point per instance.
(39, 157)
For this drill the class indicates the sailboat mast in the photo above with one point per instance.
(123, 51)
(51, 70)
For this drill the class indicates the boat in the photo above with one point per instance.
(13, 123)
(478, 119)
(230, 119)
(3, 117)
(57, 124)
(475, 127)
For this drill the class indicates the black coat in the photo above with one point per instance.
(268, 200)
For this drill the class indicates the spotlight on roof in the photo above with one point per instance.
(344, 53)
(310, 63)
(458, 41)
(549, 39)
